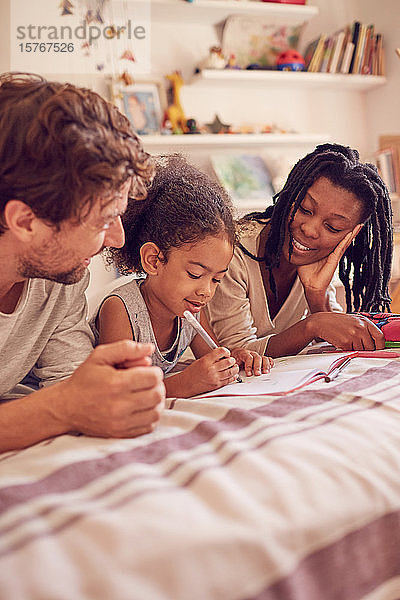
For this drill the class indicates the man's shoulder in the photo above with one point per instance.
(44, 290)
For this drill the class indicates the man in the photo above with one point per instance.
(68, 160)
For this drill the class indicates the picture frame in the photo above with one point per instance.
(143, 102)
(245, 177)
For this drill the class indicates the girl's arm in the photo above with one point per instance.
(113, 322)
(249, 360)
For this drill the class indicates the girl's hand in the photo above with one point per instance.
(346, 332)
(317, 276)
(252, 362)
(210, 372)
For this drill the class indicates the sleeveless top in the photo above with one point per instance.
(142, 329)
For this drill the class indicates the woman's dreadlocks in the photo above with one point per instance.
(365, 267)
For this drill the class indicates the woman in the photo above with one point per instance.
(277, 296)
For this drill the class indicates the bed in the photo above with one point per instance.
(237, 497)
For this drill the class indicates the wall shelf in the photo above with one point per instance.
(293, 78)
(231, 140)
(214, 11)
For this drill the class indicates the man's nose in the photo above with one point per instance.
(115, 235)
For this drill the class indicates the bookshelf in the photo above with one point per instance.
(212, 12)
(291, 78)
(240, 141)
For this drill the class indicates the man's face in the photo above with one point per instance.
(64, 255)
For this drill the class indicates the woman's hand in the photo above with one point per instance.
(316, 276)
(346, 332)
(252, 362)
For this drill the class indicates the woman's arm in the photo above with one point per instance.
(346, 332)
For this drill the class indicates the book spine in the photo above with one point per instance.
(337, 51)
(348, 53)
(356, 32)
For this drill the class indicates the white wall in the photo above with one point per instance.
(348, 117)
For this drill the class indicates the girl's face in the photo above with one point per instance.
(189, 278)
(325, 216)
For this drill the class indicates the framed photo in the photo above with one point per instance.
(245, 177)
(143, 103)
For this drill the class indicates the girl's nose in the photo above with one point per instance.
(115, 235)
(204, 289)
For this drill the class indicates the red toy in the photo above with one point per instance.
(290, 60)
(388, 323)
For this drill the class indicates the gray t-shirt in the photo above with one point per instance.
(47, 333)
(142, 330)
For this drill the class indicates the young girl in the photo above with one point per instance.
(332, 211)
(181, 239)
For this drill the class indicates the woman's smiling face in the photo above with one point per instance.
(325, 216)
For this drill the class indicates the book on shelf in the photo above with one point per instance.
(337, 52)
(355, 32)
(347, 56)
(359, 52)
(326, 54)
(245, 177)
(366, 65)
(317, 56)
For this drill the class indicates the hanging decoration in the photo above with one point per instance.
(66, 7)
(127, 54)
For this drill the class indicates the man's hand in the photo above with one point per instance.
(114, 393)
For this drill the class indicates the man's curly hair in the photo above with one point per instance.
(62, 148)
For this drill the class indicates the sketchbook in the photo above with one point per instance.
(290, 374)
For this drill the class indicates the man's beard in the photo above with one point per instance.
(31, 271)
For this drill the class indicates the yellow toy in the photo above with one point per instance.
(174, 112)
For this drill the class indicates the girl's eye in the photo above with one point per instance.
(192, 276)
(216, 280)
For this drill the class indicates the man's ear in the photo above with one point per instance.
(19, 218)
(151, 257)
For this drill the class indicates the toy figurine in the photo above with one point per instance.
(290, 60)
(175, 113)
(217, 126)
(232, 64)
(214, 60)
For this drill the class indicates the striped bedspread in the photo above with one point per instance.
(231, 498)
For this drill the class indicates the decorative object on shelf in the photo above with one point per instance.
(217, 126)
(245, 177)
(214, 60)
(290, 60)
(192, 126)
(175, 113)
(143, 102)
(232, 63)
(255, 40)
